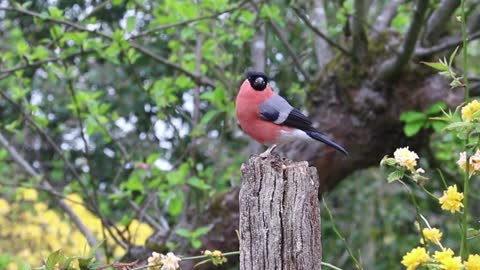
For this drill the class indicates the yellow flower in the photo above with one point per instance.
(29, 194)
(216, 256)
(40, 207)
(415, 257)
(452, 263)
(469, 110)
(433, 235)
(12, 266)
(140, 232)
(442, 255)
(473, 262)
(451, 199)
(406, 158)
(4, 207)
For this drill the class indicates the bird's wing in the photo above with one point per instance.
(276, 109)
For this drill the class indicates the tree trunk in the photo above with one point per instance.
(279, 215)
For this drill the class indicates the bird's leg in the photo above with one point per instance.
(268, 151)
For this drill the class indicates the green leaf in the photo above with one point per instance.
(131, 21)
(27, 4)
(452, 56)
(208, 117)
(152, 158)
(436, 65)
(53, 259)
(412, 128)
(134, 183)
(40, 53)
(200, 231)
(22, 47)
(55, 12)
(196, 243)
(56, 31)
(436, 108)
(395, 175)
(184, 232)
(178, 177)
(388, 161)
(412, 116)
(438, 125)
(176, 205)
(198, 183)
(460, 125)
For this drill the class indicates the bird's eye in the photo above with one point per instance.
(259, 83)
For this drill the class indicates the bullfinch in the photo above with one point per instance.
(270, 119)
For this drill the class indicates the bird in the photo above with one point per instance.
(269, 119)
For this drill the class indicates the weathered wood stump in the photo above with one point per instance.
(279, 215)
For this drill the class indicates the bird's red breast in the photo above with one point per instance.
(248, 114)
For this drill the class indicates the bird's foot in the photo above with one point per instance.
(268, 152)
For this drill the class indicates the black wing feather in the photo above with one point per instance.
(296, 119)
(269, 115)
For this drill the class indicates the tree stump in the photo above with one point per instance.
(279, 215)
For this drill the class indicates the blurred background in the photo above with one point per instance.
(117, 123)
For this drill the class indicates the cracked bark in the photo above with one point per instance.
(279, 215)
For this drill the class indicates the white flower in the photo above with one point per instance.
(420, 171)
(406, 158)
(474, 163)
(170, 261)
(154, 261)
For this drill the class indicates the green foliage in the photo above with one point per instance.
(402, 18)
(108, 104)
(194, 235)
(445, 69)
(415, 120)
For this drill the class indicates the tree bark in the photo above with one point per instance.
(279, 215)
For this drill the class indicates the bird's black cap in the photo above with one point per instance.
(258, 80)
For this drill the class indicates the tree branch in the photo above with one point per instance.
(196, 78)
(258, 57)
(7, 72)
(296, 61)
(322, 50)
(385, 18)
(309, 24)
(446, 44)
(360, 41)
(46, 185)
(189, 21)
(439, 18)
(391, 68)
(71, 169)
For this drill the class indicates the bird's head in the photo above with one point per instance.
(258, 80)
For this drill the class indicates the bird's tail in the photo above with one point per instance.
(320, 137)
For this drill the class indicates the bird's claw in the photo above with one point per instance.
(268, 152)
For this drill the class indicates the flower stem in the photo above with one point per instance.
(466, 181)
(465, 55)
(466, 184)
(417, 211)
(339, 234)
(205, 256)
